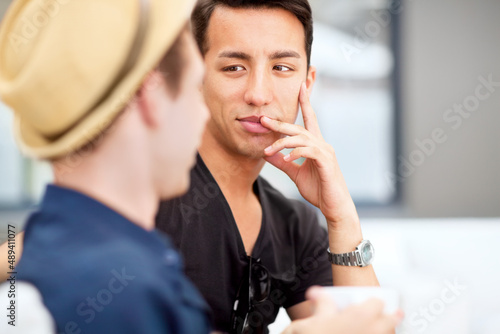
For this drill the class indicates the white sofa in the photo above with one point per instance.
(446, 270)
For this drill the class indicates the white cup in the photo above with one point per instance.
(345, 296)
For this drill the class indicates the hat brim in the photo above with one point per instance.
(166, 19)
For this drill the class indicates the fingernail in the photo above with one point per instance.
(264, 118)
(268, 149)
(286, 157)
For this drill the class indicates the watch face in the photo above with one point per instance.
(367, 252)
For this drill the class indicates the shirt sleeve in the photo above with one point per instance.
(27, 313)
(312, 265)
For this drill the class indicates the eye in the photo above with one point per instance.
(233, 69)
(282, 68)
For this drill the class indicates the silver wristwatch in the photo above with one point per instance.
(361, 257)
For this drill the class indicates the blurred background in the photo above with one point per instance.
(408, 94)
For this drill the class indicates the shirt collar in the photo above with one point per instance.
(75, 209)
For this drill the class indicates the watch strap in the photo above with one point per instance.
(351, 259)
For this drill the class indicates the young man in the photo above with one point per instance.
(257, 57)
(112, 85)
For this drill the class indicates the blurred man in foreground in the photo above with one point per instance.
(113, 85)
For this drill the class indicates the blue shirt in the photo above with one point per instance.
(100, 273)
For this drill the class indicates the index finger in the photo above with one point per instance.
(281, 127)
(310, 120)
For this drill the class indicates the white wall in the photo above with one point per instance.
(446, 46)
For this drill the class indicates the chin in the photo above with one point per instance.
(254, 149)
(177, 189)
(253, 153)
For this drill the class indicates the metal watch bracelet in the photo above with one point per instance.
(352, 259)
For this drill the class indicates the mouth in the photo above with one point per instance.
(252, 124)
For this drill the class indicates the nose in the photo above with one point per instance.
(259, 89)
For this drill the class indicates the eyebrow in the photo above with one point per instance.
(284, 54)
(244, 56)
(234, 54)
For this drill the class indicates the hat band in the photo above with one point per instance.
(133, 55)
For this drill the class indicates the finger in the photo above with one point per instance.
(281, 127)
(310, 120)
(289, 329)
(297, 326)
(309, 152)
(289, 168)
(288, 142)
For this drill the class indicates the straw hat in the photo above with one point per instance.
(68, 67)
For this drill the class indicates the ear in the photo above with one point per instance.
(149, 99)
(311, 79)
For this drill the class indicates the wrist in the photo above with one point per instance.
(343, 216)
(344, 236)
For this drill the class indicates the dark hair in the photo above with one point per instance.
(203, 10)
(173, 64)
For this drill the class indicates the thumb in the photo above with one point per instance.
(297, 326)
(323, 303)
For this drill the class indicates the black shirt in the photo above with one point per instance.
(291, 245)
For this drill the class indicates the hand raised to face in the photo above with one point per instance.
(319, 178)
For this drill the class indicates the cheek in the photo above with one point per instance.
(221, 96)
(289, 100)
(211, 95)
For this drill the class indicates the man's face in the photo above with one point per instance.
(255, 64)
